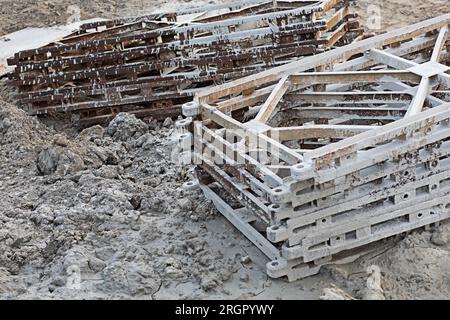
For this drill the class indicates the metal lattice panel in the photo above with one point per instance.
(334, 152)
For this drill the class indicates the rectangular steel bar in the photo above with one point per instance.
(368, 97)
(311, 78)
(317, 131)
(262, 243)
(420, 97)
(269, 106)
(440, 43)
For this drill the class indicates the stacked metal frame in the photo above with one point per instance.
(153, 64)
(319, 160)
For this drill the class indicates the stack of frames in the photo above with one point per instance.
(320, 160)
(151, 65)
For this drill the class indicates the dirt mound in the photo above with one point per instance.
(96, 208)
(416, 269)
(411, 268)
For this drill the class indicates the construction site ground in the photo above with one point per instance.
(114, 210)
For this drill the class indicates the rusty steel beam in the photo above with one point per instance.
(141, 61)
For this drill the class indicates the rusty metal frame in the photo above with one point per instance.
(33, 38)
(154, 63)
(362, 138)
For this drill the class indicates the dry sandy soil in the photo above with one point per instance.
(101, 214)
(399, 13)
